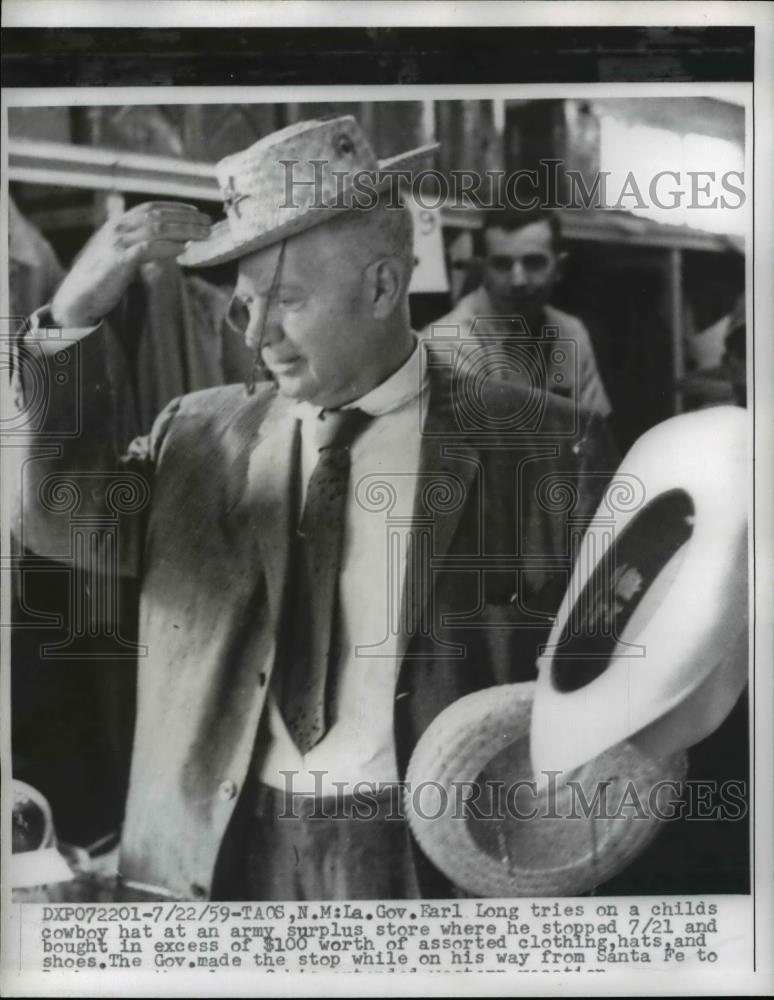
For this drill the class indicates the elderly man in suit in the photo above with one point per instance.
(326, 558)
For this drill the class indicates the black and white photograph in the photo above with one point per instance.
(386, 547)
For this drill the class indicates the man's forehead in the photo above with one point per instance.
(305, 256)
(535, 236)
(262, 264)
(259, 272)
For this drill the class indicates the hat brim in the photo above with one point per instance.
(221, 246)
(483, 738)
(679, 663)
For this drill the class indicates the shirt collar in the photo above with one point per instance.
(403, 386)
(480, 302)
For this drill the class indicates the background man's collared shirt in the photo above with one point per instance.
(572, 374)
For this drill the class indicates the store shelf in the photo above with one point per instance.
(66, 165)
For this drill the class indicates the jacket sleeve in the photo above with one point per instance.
(591, 391)
(564, 501)
(597, 459)
(74, 498)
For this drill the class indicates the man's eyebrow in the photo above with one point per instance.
(284, 286)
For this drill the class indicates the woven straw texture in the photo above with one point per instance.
(559, 854)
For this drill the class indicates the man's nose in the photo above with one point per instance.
(518, 274)
(264, 326)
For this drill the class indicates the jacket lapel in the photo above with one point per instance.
(447, 467)
(267, 499)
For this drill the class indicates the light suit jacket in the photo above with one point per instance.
(199, 511)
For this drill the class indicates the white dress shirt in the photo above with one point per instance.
(359, 745)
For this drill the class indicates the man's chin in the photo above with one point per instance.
(293, 379)
(305, 388)
(293, 386)
(291, 389)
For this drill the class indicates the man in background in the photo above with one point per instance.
(521, 264)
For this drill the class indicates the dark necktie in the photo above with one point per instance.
(311, 606)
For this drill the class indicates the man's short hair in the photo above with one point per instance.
(387, 226)
(511, 219)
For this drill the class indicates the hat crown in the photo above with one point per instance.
(294, 179)
(303, 166)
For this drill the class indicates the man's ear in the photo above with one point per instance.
(385, 277)
(561, 263)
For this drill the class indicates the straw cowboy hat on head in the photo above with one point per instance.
(646, 658)
(294, 179)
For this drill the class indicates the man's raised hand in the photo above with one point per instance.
(107, 264)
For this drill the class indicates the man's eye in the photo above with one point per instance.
(500, 263)
(535, 261)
